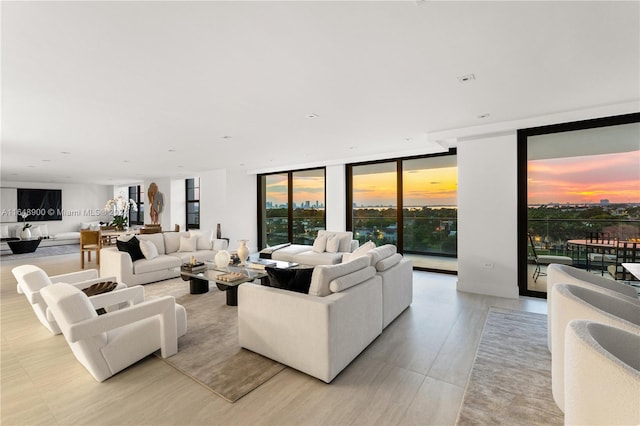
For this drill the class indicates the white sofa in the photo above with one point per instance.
(170, 255)
(397, 280)
(328, 249)
(320, 333)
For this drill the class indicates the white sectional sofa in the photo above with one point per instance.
(328, 249)
(347, 307)
(172, 250)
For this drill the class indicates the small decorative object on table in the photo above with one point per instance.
(26, 232)
(243, 252)
(230, 277)
(193, 267)
(222, 258)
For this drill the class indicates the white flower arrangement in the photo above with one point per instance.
(120, 207)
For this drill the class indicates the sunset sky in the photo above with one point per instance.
(306, 188)
(421, 187)
(585, 179)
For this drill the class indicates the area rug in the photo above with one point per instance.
(7, 255)
(210, 353)
(510, 382)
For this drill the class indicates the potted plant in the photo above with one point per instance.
(120, 207)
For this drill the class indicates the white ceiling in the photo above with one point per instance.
(116, 92)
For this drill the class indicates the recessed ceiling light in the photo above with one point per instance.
(407, 139)
(65, 152)
(171, 150)
(352, 147)
(125, 161)
(485, 115)
(312, 116)
(46, 161)
(466, 78)
(226, 137)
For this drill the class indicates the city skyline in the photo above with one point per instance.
(585, 179)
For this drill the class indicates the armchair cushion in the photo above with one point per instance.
(362, 250)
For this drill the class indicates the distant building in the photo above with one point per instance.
(604, 202)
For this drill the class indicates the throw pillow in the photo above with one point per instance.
(297, 280)
(204, 239)
(148, 249)
(363, 249)
(132, 246)
(188, 244)
(319, 244)
(333, 243)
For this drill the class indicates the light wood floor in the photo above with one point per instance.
(413, 374)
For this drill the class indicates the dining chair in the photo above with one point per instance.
(542, 260)
(90, 241)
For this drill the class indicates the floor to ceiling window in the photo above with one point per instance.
(408, 202)
(291, 206)
(192, 202)
(375, 202)
(136, 217)
(579, 191)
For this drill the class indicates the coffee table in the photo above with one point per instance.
(23, 246)
(200, 280)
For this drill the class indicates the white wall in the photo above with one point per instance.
(336, 206)
(487, 216)
(80, 203)
(230, 199)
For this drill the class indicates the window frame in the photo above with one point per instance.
(290, 218)
(399, 195)
(189, 202)
(522, 183)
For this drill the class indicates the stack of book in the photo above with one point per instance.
(193, 267)
(260, 263)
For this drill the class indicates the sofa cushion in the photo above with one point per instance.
(345, 239)
(188, 244)
(313, 258)
(388, 262)
(324, 274)
(148, 249)
(200, 255)
(363, 250)
(319, 244)
(204, 239)
(350, 280)
(172, 241)
(157, 240)
(381, 252)
(162, 262)
(333, 243)
(297, 280)
(132, 246)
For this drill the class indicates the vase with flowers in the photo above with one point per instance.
(26, 232)
(119, 207)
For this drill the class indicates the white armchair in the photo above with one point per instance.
(564, 274)
(571, 302)
(108, 343)
(602, 375)
(31, 279)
